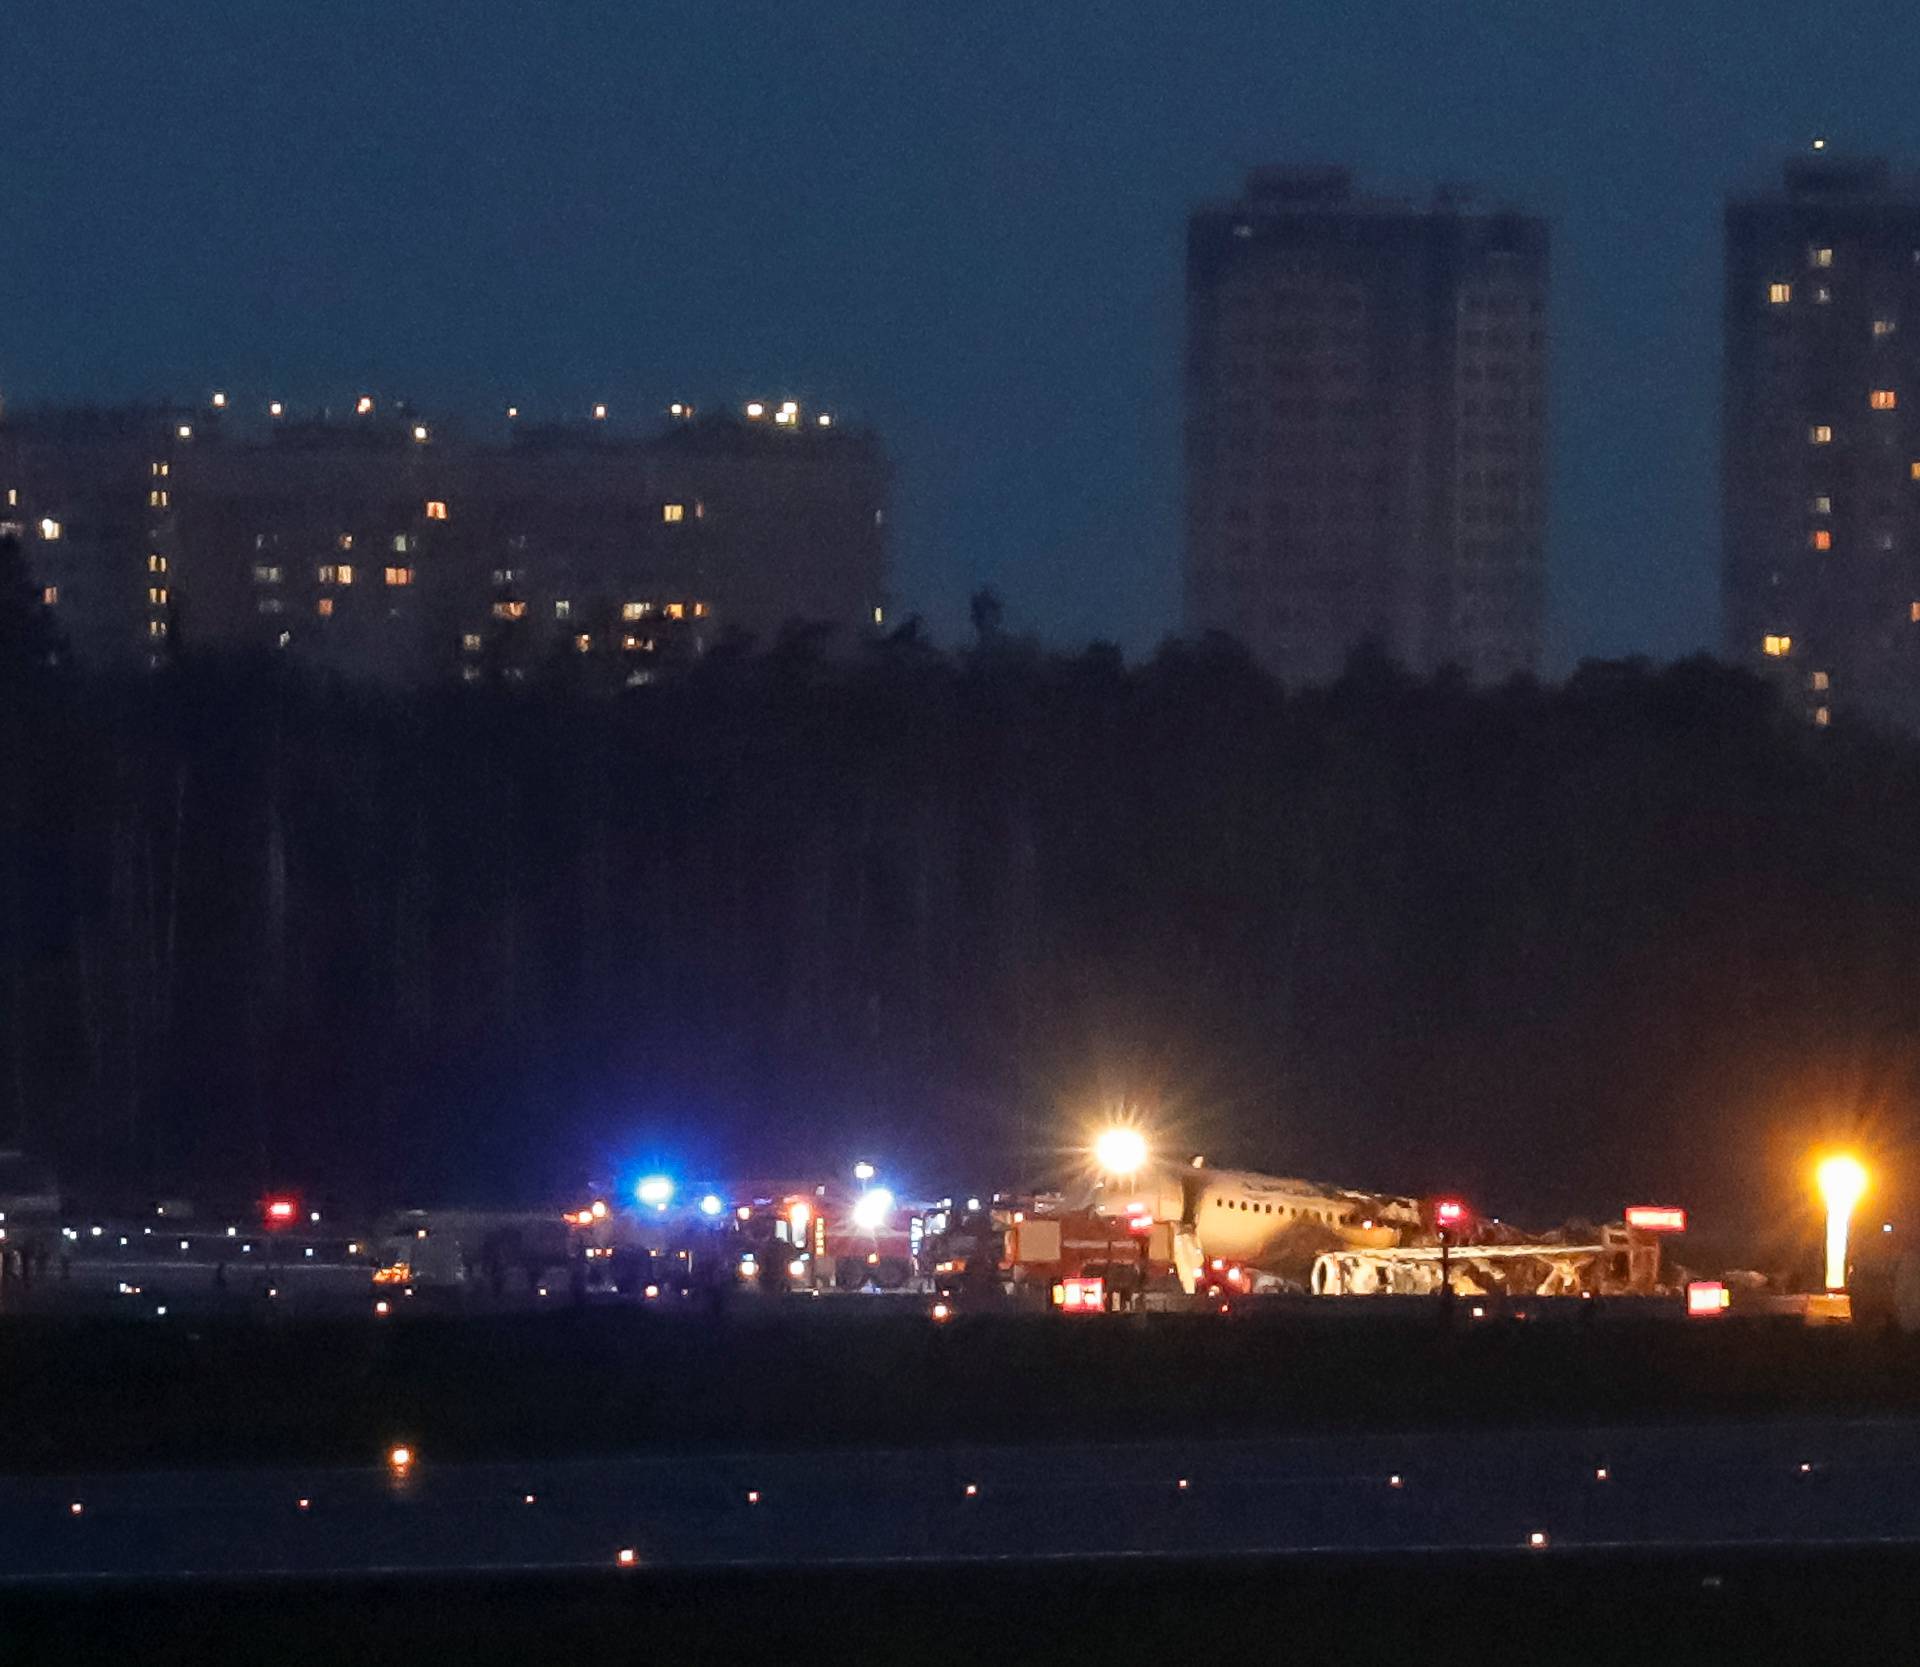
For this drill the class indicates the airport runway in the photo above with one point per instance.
(1802, 1484)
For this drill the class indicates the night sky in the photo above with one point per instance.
(962, 222)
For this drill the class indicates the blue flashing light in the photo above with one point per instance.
(656, 1190)
(711, 1204)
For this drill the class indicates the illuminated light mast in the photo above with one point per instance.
(1842, 1180)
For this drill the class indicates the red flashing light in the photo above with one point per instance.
(1139, 1224)
(280, 1209)
(1657, 1218)
(1707, 1297)
(1082, 1296)
(1449, 1212)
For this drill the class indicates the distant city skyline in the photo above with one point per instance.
(961, 225)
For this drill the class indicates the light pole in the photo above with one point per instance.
(1842, 1180)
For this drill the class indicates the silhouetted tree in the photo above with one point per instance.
(1552, 945)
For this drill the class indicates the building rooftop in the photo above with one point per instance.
(1824, 176)
(1291, 190)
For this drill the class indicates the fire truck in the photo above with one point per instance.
(822, 1235)
(1084, 1261)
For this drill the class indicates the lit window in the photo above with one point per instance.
(509, 610)
(1822, 539)
(156, 627)
(156, 564)
(49, 529)
(1820, 682)
(1821, 434)
(1819, 257)
(699, 610)
(184, 432)
(420, 433)
(879, 615)
(344, 542)
(400, 544)
(326, 573)
(1883, 399)
(264, 574)
(1823, 505)
(399, 575)
(1776, 647)
(673, 512)
(1822, 716)
(1779, 294)
(324, 607)
(563, 609)
(157, 500)
(50, 595)
(1821, 295)
(345, 574)
(635, 644)
(436, 510)
(471, 642)
(755, 408)
(676, 610)
(599, 413)
(1885, 326)
(276, 409)
(364, 404)
(635, 610)
(1913, 612)
(582, 643)
(156, 596)
(13, 497)
(219, 402)
(160, 471)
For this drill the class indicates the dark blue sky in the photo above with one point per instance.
(961, 221)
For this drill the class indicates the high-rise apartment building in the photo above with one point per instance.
(89, 492)
(1820, 470)
(1366, 420)
(381, 545)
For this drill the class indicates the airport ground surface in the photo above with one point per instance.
(1699, 1604)
(93, 1395)
(1762, 1481)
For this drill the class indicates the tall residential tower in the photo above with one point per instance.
(1820, 470)
(1366, 420)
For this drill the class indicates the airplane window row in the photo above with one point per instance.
(1345, 1219)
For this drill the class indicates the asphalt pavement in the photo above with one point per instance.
(1540, 1493)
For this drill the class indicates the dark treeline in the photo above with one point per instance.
(1638, 935)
